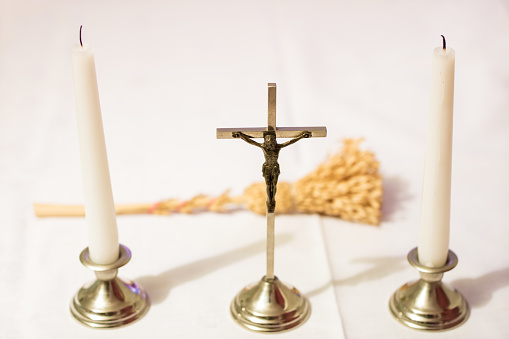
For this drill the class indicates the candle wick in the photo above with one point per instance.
(81, 43)
(443, 42)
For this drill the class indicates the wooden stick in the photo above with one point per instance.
(48, 210)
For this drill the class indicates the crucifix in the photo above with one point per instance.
(244, 306)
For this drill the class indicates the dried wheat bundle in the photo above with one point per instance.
(347, 185)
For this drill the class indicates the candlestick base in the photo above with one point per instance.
(270, 306)
(428, 304)
(109, 302)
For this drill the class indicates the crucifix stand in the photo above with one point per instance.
(269, 305)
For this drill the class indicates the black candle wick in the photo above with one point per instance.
(81, 43)
(443, 41)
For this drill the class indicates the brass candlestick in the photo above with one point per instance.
(109, 302)
(428, 304)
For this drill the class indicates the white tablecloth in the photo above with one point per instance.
(169, 73)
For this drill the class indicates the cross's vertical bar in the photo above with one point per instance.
(272, 107)
(270, 245)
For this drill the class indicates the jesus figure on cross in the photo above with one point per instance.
(270, 168)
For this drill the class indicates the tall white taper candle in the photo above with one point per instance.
(433, 245)
(99, 206)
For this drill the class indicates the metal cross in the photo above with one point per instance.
(271, 150)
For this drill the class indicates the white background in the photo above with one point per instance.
(170, 73)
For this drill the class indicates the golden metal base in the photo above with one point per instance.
(428, 304)
(109, 302)
(270, 306)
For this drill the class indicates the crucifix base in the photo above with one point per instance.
(270, 306)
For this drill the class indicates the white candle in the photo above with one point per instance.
(99, 206)
(433, 243)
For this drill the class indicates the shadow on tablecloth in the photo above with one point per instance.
(479, 291)
(158, 287)
(381, 267)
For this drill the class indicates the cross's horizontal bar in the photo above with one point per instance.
(281, 132)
